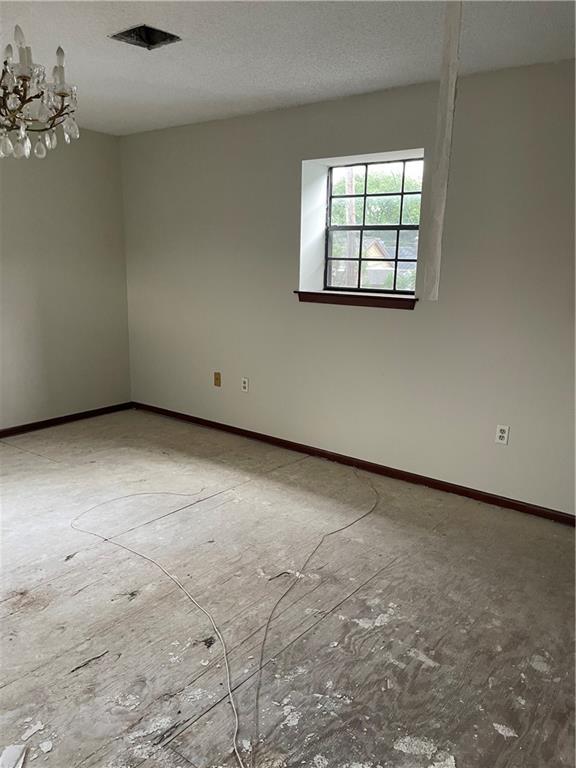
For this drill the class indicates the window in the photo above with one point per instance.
(359, 222)
(373, 219)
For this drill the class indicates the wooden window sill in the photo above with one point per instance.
(358, 299)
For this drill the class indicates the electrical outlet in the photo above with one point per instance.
(502, 434)
(217, 379)
(245, 384)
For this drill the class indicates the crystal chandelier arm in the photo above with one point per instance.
(59, 117)
(22, 93)
(12, 115)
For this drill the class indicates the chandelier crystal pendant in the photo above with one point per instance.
(31, 108)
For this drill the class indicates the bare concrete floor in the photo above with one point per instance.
(436, 633)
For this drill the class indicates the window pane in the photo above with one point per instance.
(406, 277)
(378, 274)
(383, 210)
(411, 209)
(385, 177)
(378, 244)
(408, 244)
(348, 181)
(347, 210)
(344, 244)
(413, 176)
(343, 274)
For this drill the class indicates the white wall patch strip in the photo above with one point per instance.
(434, 214)
(13, 756)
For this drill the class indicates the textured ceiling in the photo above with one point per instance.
(242, 57)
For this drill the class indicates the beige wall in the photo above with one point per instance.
(64, 338)
(212, 237)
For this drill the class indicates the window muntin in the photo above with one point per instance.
(373, 221)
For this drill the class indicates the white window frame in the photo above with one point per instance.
(314, 201)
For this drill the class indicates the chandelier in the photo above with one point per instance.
(31, 108)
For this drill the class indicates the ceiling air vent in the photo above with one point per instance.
(145, 37)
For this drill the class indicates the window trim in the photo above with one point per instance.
(358, 299)
(391, 292)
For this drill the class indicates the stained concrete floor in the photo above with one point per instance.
(435, 633)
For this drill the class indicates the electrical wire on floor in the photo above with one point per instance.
(299, 573)
(175, 580)
(110, 540)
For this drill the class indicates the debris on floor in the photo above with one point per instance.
(31, 730)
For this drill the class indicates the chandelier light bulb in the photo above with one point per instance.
(19, 38)
(30, 106)
(24, 52)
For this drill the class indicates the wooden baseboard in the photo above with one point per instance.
(21, 428)
(379, 469)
